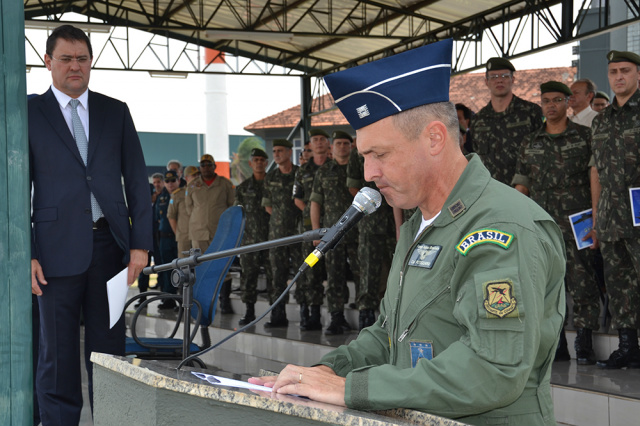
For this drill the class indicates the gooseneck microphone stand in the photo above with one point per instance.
(184, 273)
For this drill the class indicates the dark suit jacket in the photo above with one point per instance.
(62, 235)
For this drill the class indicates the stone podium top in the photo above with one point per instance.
(160, 375)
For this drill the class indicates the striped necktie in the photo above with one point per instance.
(83, 146)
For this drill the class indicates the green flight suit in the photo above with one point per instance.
(481, 293)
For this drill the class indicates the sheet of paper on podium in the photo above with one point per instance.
(117, 290)
(223, 381)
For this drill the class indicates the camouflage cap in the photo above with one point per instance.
(618, 56)
(282, 142)
(601, 95)
(338, 134)
(207, 157)
(170, 174)
(499, 64)
(555, 86)
(191, 170)
(318, 132)
(257, 152)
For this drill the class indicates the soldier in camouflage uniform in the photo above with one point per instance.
(309, 289)
(553, 169)
(331, 193)
(278, 187)
(249, 195)
(498, 129)
(616, 161)
(376, 244)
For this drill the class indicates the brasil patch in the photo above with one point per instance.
(493, 236)
(499, 299)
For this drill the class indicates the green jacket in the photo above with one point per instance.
(481, 292)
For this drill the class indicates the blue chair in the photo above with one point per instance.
(209, 279)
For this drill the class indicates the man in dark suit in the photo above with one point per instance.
(84, 232)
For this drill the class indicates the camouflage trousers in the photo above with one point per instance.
(581, 285)
(337, 290)
(375, 252)
(280, 259)
(251, 263)
(309, 288)
(621, 272)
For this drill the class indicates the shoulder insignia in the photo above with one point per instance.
(456, 208)
(499, 299)
(171, 201)
(493, 236)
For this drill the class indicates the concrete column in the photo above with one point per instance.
(16, 369)
(217, 134)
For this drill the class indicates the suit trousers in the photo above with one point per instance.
(63, 299)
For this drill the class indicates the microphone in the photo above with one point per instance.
(366, 201)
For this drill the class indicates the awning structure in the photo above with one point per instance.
(316, 37)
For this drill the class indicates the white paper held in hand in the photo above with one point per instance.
(117, 290)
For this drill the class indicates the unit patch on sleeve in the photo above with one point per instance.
(499, 299)
(424, 256)
(493, 236)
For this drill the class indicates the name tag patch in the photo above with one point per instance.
(483, 236)
(420, 350)
(424, 256)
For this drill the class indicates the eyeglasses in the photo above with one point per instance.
(554, 100)
(66, 60)
(170, 180)
(505, 76)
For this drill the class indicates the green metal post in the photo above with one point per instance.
(16, 369)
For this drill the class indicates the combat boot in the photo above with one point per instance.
(562, 351)
(584, 347)
(627, 354)
(278, 317)
(249, 315)
(304, 316)
(338, 324)
(225, 302)
(313, 323)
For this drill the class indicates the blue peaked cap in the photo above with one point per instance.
(375, 90)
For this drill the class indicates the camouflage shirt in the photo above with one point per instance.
(249, 195)
(555, 169)
(497, 136)
(302, 188)
(285, 216)
(380, 222)
(616, 155)
(330, 191)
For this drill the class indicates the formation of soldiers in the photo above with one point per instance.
(568, 164)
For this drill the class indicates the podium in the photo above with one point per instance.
(130, 391)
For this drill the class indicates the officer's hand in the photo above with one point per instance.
(37, 276)
(137, 262)
(592, 234)
(318, 383)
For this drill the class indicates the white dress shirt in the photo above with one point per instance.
(584, 117)
(65, 107)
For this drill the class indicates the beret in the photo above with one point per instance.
(618, 56)
(499, 64)
(555, 86)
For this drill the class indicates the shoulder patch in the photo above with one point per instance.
(499, 299)
(482, 236)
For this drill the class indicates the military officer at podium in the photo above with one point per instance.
(475, 297)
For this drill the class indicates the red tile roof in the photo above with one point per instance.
(468, 89)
